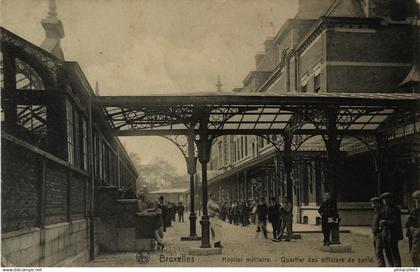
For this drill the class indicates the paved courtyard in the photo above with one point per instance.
(243, 248)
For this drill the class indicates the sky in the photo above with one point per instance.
(134, 47)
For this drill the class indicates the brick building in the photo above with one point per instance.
(59, 160)
(334, 46)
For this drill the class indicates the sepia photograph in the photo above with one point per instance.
(209, 134)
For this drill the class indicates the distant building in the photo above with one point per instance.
(171, 195)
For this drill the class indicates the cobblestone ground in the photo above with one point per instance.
(243, 248)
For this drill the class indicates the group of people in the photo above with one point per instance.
(386, 225)
(260, 213)
(169, 212)
(387, 230)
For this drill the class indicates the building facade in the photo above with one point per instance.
(346, 46)
(61, 167)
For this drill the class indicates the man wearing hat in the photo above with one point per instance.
(329, 217)
(286, 216)
(376, 203)
(413, 230)
(390, 221)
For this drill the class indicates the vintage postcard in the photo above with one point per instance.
(210, 133)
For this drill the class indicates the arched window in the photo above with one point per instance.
(26, 77)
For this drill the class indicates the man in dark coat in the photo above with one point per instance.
(413, 230)
(180, 211)
(273, 216)
(329, 217)
(235, 211)
(241, 212)
(286, 215)
(376, 203)
(164, 210)
(390, 221)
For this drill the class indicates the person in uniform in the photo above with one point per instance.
(286, 214)
(164, 212)
(329, 217)
(390, 222)
(413, 230)
(229, 213)
(273, 216)
(180, 210)
(376, 203)
(215, 222)
(235, 213)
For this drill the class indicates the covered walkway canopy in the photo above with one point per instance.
(257, 113)
(287, 120)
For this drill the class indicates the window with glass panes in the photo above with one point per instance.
(70, 131)
(84, 144)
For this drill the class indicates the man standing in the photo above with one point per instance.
(164, 211)
(215, 222)
(273, 216)
(390, 221)
(376, 203)
(262, 212)
(329, 217)
(180, 211)
(235, 212)
(286, 214)
(413, 230)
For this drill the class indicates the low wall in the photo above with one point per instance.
(49, 246)
(351, 213)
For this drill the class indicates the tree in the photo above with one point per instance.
(158, 174)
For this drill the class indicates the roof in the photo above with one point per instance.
(170, 191)
(252, 113)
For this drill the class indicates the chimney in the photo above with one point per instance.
(97, 92)
(258, 58)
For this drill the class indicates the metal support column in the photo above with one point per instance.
(288, 164)
(191, 167)
(276, 177)
(332, 143)
(204, 149)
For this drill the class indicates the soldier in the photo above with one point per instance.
(286, 214)
(376, 203)
(273, 216)
(413, 230)
(245, 212)
(215, 222)
(329, 217)
(230, 213)
(235, 213)
(164, 210)
(241, 213)
(180, 210)
(390, 221)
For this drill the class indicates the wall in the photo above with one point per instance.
(41, 227)
(378, 68)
